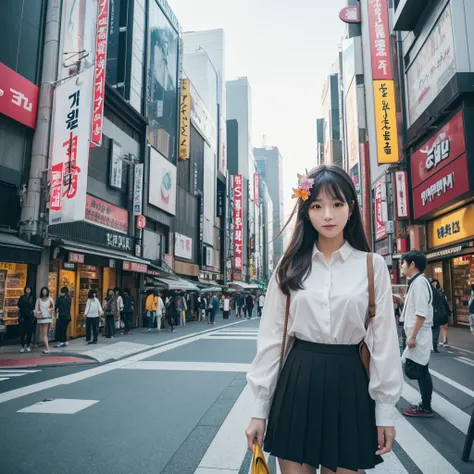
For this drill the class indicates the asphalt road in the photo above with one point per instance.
(182, 408)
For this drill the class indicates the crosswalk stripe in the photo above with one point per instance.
(9, 371)
(233, 338)
(14, 375)
(465, 360)
(454, 384)
(2, 379)
(185, 366)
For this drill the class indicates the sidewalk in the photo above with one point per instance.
(107, 350)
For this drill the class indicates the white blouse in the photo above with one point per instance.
(332, 309)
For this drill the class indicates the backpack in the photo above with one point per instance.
(441, 310)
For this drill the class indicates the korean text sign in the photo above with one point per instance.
(238, 222)
(106, 214)
(70, 148)
(100, 68)
(380, 40)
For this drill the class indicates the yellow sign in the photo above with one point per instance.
(453, 227)
(386, 122)
(184, 120)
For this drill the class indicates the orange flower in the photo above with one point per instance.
(300, 193)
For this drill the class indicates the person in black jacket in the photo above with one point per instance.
(127, 311)
(26, 318)
(63, 314)
(249, 305)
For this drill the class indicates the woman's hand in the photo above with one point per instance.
(386, 435)
(255, 431)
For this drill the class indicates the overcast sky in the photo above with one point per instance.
(286, 49)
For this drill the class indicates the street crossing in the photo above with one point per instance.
(7, 374)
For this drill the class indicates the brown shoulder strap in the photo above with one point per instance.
(285, 330)
(370, 275)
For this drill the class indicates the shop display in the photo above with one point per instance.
(12, 283)
(463, 278)
(89, 279)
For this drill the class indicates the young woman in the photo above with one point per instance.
(110, 303)
(93, 312)
(44, 312)
(26, 305)
(127, 311)
(322, 410)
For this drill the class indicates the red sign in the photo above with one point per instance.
(18, 97)
(350, 14)
(153, 273)
(401, 195)
(380, 40)
(256, 188)
(108, 215)
(440, 189)
(141, 222)
(75, 257)
(380, 230)
(441, 149)
(100, 68)
(237, 220)
(135, 267)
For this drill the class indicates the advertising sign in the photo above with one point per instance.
(162, 183)
(256, 188)
(135, 267)
(432, 68)
(452, 227)
(138, 189)
(183, 246)
(380, 214)
(380, 40)
(442, 148)
(184, 120)
(116, 165)
(106, 214)
(74, 257)
(18, 97)
(237, 221)
(70, 148)
(441, 188)
(352, 127)
(401, 195)
(350, 14)
(141, 222)
(386, 122)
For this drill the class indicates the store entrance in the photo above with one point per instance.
(463, 287)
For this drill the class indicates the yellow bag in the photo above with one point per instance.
(259, 464)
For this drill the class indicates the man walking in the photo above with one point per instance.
(63, 312)
(418, 321)
(249, 305)
(261, 303)
(238, 305)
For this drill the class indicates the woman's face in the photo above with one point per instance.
(328, 216)
(44, 293)
(28, 290)
(111, 293)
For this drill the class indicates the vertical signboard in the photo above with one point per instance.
(379, 215)
(70, 148)
(138, 190)
(401, 195)
(116, 165)
(256, 188)
(100, 69)
(237, 219)
(184, 120)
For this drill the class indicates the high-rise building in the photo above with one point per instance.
(269, 166)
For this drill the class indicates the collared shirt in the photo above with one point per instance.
(418, 303)
(332, 309)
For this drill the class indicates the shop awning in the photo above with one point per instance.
(176, 284)
(9, 240)
(240, 285)
(107, 253)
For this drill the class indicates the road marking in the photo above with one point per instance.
(465, 360)
(14, 375)
(190, 366)
(233, 338)
(59, 406)
(2, 379)
(391, 465)
(454, 384)
(447, 410)
(7, 371)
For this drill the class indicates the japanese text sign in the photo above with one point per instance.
(138, 189)
(380, 40)
(380, 203)
(184, 120)
(401, 195)
(107, 215)
(18, 97)
(100, 68)
(386, 129)
(135, 267)
(238, 222)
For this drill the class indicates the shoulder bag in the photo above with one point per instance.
(363, 349)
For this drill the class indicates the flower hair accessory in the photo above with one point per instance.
(303, 190)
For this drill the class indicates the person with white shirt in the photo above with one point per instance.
(417, 317)
(226, 306)
(92, 312)
(322, 409)
(261, 304)
(159, 312)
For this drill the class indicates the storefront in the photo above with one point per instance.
(453, 263)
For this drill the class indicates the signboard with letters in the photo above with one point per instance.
(138, 190)
(18, 97)
(237, 185)
(74, 257)
(135, 267)
(183, 246)
(401, 195)
(380, 213)
(184, 120)
(106, 214)
(118, 241)
(256, 188)
(70, 148)
(116, 165)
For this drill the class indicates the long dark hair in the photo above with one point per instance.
(295, 264)
(46, 290)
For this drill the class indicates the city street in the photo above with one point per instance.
(182, 407)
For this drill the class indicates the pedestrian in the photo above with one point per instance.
(151, 306)
(322, 410)
(441, 312)
(210, 308)
(239, 302)
(261, 303)
(109, 314)
(171, 311)
(444, 327)
(249, 305)
(226, 307)
(215, 309)
(118, 307)
(418, 321)
(471, 310)
(63, 314)
(159, 312)
(44, 313)
(127, 311)
(93, 312)
(202, 305)
(26, 317)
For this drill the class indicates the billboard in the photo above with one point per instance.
(70, 134)
(162, 183)
(184, 120)
(237, 184)
(380, 208)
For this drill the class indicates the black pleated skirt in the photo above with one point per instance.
(322, 413)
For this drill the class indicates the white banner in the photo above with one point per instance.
(116, 166)
(70, 148)
(138, 190)
(183, 246)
